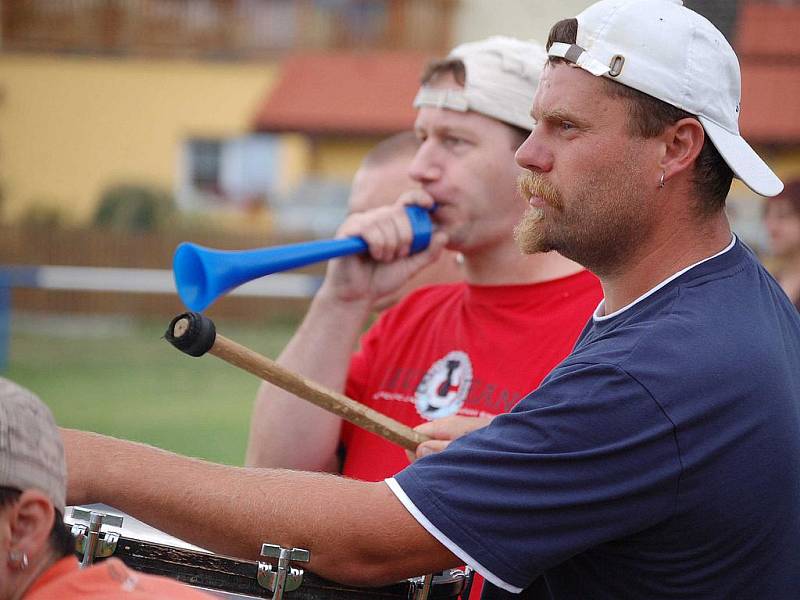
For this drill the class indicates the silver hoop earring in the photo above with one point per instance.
(18, 560)
(661, 181)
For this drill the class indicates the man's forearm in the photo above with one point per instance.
(320, 350)
(357, 532)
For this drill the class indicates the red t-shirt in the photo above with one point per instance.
(460, 349)
(107, 580)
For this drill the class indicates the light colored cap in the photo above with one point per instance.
(667, 51)
(501, 77)
(31, 451)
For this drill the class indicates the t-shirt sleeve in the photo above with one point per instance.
(358, 372)
(587, 458)
(364, 357)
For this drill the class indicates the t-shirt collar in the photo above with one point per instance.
(598, 315)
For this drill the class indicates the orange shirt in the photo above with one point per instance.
(107, 580)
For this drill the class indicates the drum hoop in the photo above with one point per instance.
(239, 576)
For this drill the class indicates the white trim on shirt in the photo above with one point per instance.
(445, 541)
(596, 316)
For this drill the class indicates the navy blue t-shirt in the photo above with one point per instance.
(661, 459)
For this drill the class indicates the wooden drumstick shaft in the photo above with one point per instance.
(339, 404)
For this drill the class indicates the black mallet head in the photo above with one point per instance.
(191, 333)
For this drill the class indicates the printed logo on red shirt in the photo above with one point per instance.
(444, 387)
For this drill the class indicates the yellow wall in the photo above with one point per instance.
(786, 164)
(69, 127)
(295, 160)
(338, 158)
(784, 161)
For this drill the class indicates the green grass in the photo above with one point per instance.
(130, 383)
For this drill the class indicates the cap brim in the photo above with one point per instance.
(743, 160)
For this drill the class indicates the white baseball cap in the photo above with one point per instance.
(501, 77)
(667, 51)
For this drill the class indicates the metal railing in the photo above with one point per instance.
(223, 29)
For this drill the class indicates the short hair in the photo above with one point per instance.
(60, 539)
(649, 117)
(446, 66)
(9, 496)
(403, 144)
(456, 68)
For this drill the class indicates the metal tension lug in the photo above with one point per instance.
(421, 587)
(90, 542)
(282, 577)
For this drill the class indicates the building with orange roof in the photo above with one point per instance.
(766, 41)
(768, 45)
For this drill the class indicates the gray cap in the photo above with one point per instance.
(31, 451)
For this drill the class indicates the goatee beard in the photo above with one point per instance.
(530, 232)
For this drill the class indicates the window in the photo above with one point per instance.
(205, 157)
(237, 172)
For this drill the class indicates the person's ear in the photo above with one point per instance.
(30, 521)
(683, 142)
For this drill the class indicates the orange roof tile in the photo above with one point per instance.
(768, 30)
(352, 93)
(769, 53)
(770, 103)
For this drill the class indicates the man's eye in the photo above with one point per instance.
(567, 125)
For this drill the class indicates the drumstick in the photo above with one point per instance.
(195, 335)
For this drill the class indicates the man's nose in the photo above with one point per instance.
(425, 167)
(534, 155)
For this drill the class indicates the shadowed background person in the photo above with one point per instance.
(782, 220)
(380, 180)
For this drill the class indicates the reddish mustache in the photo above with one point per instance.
(534, 184)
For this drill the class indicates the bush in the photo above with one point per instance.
(134, 207)
(43, 214)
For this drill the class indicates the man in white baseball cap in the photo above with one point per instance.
(675, 56)
(661, 458)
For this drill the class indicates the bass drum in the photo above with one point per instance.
(149, 550)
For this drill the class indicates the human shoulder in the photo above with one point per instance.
(428, 292)
(714, 322)
(693, 303)
(431, 297)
